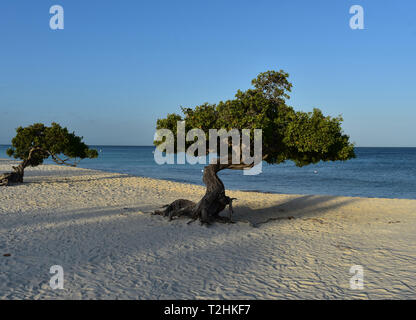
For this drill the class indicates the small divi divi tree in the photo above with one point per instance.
(37, 142)
(302, 137)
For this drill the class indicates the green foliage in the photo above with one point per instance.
(274, 85)
(41, 142)
(287, 135)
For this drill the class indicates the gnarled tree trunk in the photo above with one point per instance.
(214, 201)
(13, 177)
(18, 172)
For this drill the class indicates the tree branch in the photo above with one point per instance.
(58, 160)
(237, 166)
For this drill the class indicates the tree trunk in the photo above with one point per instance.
(214, 201)
(207, 210)
(18, 172)
(13, 177)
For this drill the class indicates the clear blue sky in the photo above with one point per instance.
(119, 65)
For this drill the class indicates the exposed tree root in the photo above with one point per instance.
(207, 210)
(177, 208)
(18, 172)
(13, 177)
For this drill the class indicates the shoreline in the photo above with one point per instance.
(202, 185)
(98, 227)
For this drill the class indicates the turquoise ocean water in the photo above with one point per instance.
(376, 172)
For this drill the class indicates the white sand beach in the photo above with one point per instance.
(97, 226)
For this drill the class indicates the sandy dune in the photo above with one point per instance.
(96, 225)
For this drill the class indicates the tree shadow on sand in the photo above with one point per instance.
(299, 207)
